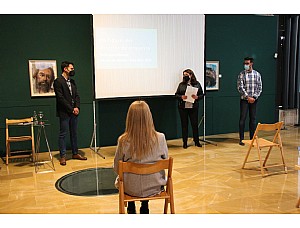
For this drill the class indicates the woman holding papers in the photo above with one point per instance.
(188, 94)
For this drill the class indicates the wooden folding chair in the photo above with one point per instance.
(26, 153)
(259, 143)
(136, 168)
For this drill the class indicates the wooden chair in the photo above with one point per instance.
(130, 167)
(26, 122)
(259, 143)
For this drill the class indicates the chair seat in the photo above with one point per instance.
(262, 143)
(162, 195)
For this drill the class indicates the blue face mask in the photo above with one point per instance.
(246, 67)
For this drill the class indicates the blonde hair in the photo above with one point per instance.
(140, 133)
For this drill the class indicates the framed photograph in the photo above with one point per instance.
(212, 75)
(41, 75)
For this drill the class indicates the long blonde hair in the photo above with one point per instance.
(140, 133)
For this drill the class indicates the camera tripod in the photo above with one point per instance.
(203, 140)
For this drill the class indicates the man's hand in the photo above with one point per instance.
(75, 111)
(251, 100)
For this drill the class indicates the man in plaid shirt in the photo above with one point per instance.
(249, 85)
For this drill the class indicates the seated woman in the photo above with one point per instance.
(141, 143)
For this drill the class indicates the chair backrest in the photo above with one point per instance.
(24, 121)
(18, 121)
(137, 168)
(274, 127)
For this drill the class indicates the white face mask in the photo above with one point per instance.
(246, 67)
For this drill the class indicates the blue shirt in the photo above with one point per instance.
(249, 84)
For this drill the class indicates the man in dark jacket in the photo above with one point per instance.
(67, 109)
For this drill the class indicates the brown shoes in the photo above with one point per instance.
(78, 157)
(62, 161)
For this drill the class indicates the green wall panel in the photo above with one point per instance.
(230, 38)
(43, 37)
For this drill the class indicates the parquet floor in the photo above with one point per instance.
(207, 180)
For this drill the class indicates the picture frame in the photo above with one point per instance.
(42, 74)
(212, 75)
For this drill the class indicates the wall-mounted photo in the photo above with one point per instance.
(212, 75)
(42, 74)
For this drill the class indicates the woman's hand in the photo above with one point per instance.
(194, 96)
(183, 97)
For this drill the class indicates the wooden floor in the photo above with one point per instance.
(207, 180)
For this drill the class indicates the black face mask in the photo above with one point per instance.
(186, 78)
(72, 73)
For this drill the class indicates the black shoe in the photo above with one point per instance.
(131, 211)
(144, 210)
(198, 144)
(185, 145)
(131, 208)
(241, 143)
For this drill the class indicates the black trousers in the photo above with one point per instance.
(192, 114)
(244, 108)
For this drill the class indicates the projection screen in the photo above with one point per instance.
(144, 55)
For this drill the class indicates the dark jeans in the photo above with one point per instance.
(191, 113)
(244, 107)
(68, 124)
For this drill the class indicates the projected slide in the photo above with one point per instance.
(126, 48)
(144, 55)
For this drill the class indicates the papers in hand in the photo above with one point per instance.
(190, 90)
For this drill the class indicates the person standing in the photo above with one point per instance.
(188, 109)
(67, 109)
(141, 143)
(249, 85)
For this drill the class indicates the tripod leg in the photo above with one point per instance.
(203, 140)
(96, 150)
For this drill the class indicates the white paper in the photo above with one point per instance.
(190, 90)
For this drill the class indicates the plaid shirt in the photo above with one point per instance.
(249, 84)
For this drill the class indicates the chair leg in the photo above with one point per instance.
(246, 158)
(298, 203)
(267, 156)
(121, 204)
(171, 200)
(121, 207)
(7, 152)
(172, 205)
(282, 157)
(262, 168)
(166, 206)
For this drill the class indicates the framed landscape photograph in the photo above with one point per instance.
(41, 75)
(212, 75)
